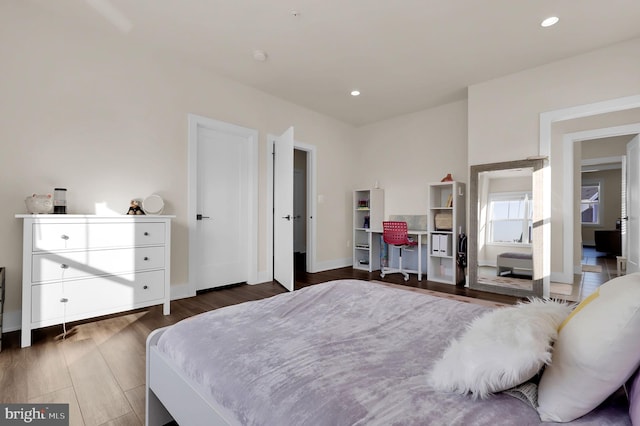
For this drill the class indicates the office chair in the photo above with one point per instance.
(395, 234)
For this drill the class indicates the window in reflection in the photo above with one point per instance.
(510, 218)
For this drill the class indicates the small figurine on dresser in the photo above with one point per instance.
(39, 204)
(135, 208)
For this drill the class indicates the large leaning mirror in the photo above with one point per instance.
(506, 228)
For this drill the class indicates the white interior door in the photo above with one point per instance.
(221, 230)
(623, 207)
(633, 206)
(283, 209)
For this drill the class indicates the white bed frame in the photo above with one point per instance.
(170, 395)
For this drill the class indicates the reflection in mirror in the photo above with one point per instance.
(505, 257)
(503, 228)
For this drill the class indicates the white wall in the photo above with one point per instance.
(504, 113)
(406, 153)
(108, 121)
(605, 147)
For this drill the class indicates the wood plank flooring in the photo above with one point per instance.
(99, 367)
(588, 282)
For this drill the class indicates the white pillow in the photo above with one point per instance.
(597, 350)
(500, 349)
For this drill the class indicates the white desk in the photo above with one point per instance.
(418, 234)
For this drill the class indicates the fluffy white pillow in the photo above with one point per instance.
(597, 350)
(500, 349)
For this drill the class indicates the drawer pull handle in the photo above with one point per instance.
(64, 266)
(145, 287)
(145, 258)
(146, 234)
(64, 237)
(64, 300)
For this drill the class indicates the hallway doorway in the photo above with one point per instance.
(300, 210)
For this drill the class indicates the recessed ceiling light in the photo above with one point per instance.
(552, 20)
(355, 93)
(260, 55)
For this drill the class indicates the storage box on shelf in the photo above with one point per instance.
(368, 213)
(81, 266)
(446, 222)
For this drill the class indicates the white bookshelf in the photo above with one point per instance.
(368, 214)
(446, 200)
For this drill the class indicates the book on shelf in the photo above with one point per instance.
(449, 201)
(363, 204)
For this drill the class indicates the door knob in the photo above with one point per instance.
(200, 217)
(288, 217)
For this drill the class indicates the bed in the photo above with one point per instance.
(512, 262)
(346, 352)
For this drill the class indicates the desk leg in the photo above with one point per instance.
(419, 257)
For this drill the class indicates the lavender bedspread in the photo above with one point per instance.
(341, 353)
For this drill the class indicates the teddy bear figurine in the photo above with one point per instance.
(135, 208)
(38, 204)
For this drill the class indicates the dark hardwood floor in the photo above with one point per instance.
(99, 367)
(303, 279)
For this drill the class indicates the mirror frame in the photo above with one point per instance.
(540, 279)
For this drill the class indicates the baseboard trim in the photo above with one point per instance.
(11, 321)
(263, 277)
(332, 264)
(181, 291)
(561, 277)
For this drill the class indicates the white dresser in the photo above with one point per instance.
(81, 266)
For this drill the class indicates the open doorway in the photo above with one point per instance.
(562, 244)
(602, 193)
(602, 189)
(304, 160)
(601, 206)
(570, 239)
(299, 210)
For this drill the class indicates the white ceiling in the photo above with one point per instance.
(403, 55)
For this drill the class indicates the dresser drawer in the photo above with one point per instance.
(74, 236)
(95, 296)
(80, 264)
